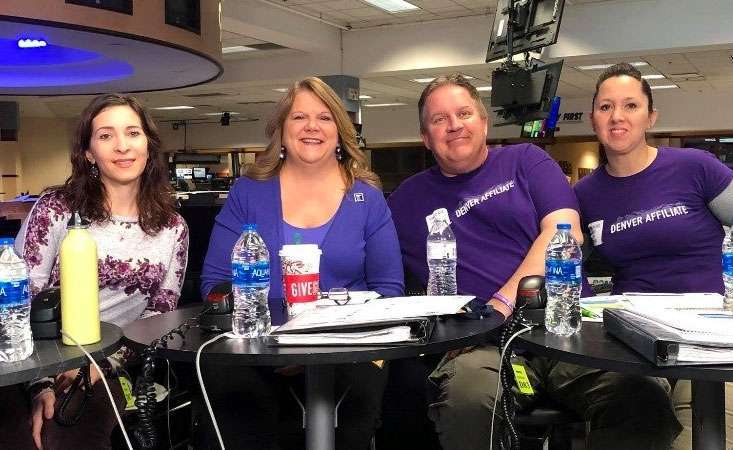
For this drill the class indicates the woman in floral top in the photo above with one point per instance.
(119, 182)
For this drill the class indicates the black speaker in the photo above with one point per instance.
(9, 116)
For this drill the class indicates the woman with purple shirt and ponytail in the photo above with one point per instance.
(655, 214)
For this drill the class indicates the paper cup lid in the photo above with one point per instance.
(299, 249)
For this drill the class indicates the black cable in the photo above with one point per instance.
(507, 431)
(82, 377)
(146, 434)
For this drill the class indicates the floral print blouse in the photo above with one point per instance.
(139, 274)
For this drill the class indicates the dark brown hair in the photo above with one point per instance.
(353, 164)
(453, 79)
(627, 69)
(618, 70)
(87, 194)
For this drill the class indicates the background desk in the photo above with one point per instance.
(51, 357)
(593, 347)
(319, 362)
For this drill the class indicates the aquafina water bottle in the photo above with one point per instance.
(441, 254)
(16, 342)
(563, 261)
(728, 269)
(250, 284)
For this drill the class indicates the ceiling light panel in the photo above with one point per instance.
(393, 5)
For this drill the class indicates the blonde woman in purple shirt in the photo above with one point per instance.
(655, 214)
(313, 181)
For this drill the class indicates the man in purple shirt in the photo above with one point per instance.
(504, 205)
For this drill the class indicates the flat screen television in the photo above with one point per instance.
(199, 173)
(537, 25)
(184, 172)
(526, 95)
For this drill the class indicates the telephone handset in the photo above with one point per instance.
(45, 314)
(220, 302)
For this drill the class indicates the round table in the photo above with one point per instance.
(319, 362)
(593, 347)
(50, 357)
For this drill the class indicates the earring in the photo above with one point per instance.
(94, 171)
(282, 152)
(338, 153)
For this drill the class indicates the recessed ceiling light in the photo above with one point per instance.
(364, 97)
(379, 105)
(665, 86)
(606, 66)
(393, 5)
(483, 88)
(166, 108)
(237, 49)
(220, 113)
(280, 89)
(653, 76)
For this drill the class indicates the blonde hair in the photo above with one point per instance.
(353, 164)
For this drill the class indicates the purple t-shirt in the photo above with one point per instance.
(495, 212)
(655, 227)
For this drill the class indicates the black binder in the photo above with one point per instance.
(662, 345)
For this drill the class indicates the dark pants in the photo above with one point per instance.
(91, 432)
(255, 409)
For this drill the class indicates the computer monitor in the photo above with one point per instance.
(199, 173)
(526, 94)
(184, 172)
(536, 25)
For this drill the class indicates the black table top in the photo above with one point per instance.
(51, 357)
(449, 333)
(593, 347)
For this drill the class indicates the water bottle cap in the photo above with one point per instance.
(249, 227)
(77, 221)
(7, 241)
(563, 226)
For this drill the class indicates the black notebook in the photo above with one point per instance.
(664, 345)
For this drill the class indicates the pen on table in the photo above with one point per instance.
(588, 313)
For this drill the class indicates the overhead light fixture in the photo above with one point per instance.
(380, 105)
(218, 113)
(428, 80)
(170, 108)
(726, 140)
(393, 5)
(280, 89)
(665, 86)
(237, 49)
(685, 76)
(710, 140)
(653, 76)
(364, 97)
(606, 66)
(31, 43)
(484, 88)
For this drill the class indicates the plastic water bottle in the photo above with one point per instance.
(250, 284)
(728, 269)
(563, 278)
(16, 342)
(441, 254)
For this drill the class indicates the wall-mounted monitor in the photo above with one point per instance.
(184, 14)
(199, 173)
(120, 6)
(184, 172)
(537, 23)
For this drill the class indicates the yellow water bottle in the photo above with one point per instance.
(79, 284)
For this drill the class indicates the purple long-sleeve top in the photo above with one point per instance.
(360, 250)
